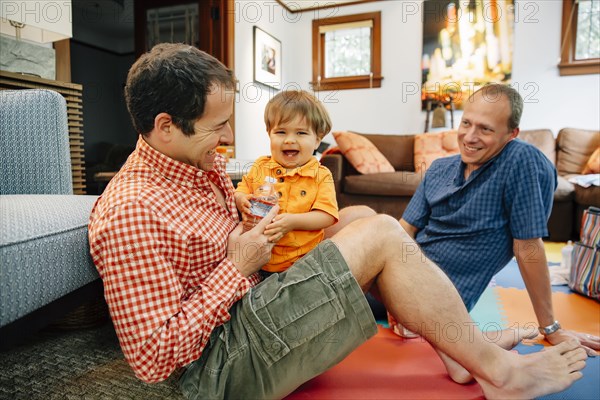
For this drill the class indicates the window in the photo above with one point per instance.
(580, 48)
(347, 52)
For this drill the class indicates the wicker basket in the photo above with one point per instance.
(88, 315)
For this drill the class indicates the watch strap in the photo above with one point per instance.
(550, 329)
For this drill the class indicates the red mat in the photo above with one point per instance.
(388, 367)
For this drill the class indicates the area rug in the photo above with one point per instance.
(75, 365)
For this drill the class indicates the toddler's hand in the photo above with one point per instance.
(242, 202)
(281, 225)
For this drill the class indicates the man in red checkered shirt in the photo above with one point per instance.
(181, 281)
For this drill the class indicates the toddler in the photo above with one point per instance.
(296, 123)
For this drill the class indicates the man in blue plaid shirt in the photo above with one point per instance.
(474, 211)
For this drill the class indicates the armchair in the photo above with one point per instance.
(44, 252)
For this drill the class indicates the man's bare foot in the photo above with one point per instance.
(509, 338)
(506, 339)
(528, 376)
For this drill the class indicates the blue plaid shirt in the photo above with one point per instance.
(467, 227)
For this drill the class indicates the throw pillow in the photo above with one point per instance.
(431, 146)
(362, 153)
(593, 164)
(332, 150)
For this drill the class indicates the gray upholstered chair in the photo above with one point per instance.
(44, 252)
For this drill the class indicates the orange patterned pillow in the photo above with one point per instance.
(593, 164)
(362, 153)
(431, 146)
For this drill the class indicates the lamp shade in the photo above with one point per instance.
(44, 21)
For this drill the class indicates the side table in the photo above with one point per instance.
(102, 179)
(237, 168)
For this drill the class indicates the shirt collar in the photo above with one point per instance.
(459, 178)
(310, 169)
(173, 170)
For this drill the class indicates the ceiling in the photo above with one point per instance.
(305, 5)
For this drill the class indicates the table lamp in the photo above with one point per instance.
(28, 29)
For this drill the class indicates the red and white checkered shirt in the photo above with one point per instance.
(158, 237)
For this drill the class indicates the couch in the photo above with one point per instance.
(390, 193)
(45, 266)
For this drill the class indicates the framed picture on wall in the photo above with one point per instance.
(267, 59)
(466, 44)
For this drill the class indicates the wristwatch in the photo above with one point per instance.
(550, 329)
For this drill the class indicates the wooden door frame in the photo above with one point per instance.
(227, 29)
(226, 21)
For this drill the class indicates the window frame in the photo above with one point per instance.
(568, 64)
(346, 82)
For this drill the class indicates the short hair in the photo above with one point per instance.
(174, 79)
(289, 104)
(493, 91)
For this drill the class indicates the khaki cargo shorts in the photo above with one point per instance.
(288, 329)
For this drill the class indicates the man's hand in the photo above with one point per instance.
(281, 225)
(588, 342)
(250, 251)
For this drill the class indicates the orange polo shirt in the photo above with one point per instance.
(307, 188)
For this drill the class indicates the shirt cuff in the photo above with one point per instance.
(329, 211)
(228, 282)
(417, 224)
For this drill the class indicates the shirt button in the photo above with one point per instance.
(281, 179)
(303, 193)
(278, 172)
(257, 295)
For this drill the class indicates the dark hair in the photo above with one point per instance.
(289, 104)
(493, 91)
(174, 79)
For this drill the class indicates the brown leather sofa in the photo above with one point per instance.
(390, 193)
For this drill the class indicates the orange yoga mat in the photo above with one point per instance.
(577, 313)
